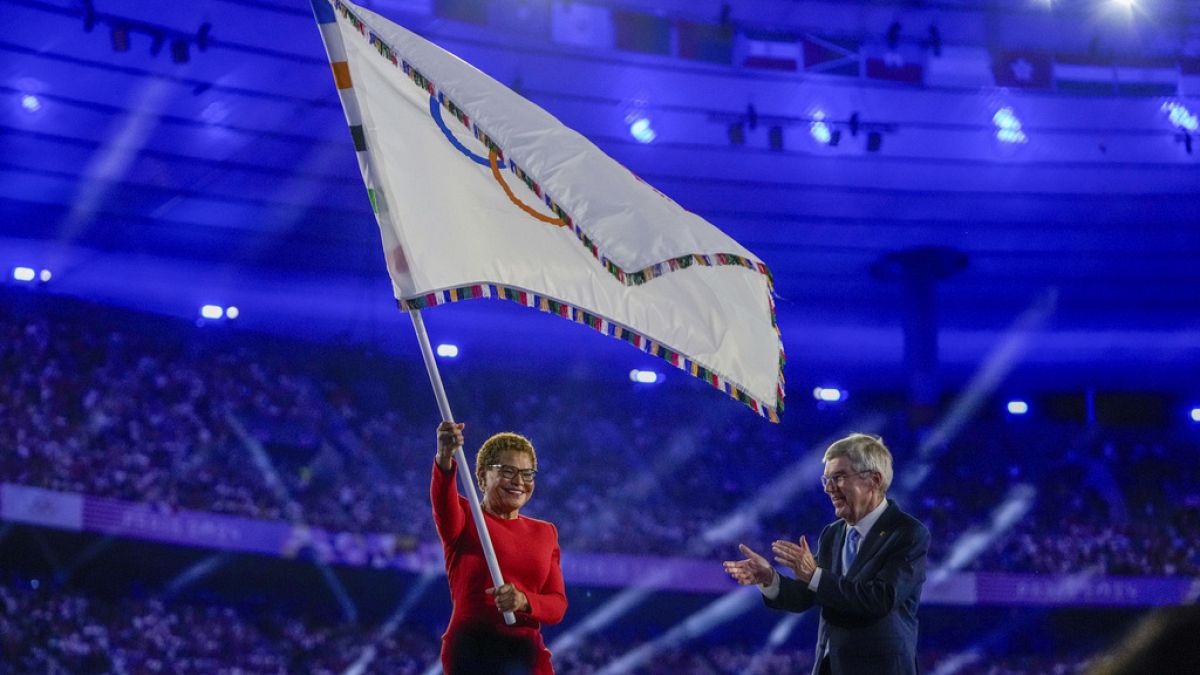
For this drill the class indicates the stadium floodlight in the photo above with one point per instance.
(1005, 118)
(828, 394)
(641, 131)
(644, 376)
(212, 311)
(1011, 135)
(1008, 126)
(447, 351)
(819, 130)
(1018, 407)
(24, 273)
(44, 275)
(1196, 414)
(232, 312)
(1181, 117)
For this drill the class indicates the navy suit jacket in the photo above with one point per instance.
(868, 616)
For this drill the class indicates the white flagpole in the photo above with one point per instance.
(335, 50)
(468, 487)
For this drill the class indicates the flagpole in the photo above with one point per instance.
(335, 51)
(439, 392)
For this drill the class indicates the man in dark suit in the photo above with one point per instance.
(867, 574)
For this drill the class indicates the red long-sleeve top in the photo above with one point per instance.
(528, 553)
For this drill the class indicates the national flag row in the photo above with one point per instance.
(1097, 76)
(580, 24)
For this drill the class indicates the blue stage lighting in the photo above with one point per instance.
(1008, 127)
(819, 129)
(641, 131)
(643, 376)
(24, 273)
(447, 351)
(1196, 415)
(232, 312)
(1005, 119)
(212, 311)
(828, 394)
(1181, 116)
(31, 103)
(1011, 135)
(1018, 407)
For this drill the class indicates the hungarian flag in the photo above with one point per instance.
(1147, 77)
(479, 193)
(1078, 74)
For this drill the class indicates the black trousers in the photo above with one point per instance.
(473, 652)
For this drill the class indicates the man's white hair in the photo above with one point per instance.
(866, 453)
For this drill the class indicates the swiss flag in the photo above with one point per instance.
(1027, 70)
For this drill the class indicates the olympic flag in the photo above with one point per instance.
(479, 193)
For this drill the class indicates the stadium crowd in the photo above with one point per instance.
(114, 405)
(57, 632)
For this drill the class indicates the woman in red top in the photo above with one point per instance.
(477, 639)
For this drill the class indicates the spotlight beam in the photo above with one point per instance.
(195, 573)
(88, 554)
(779, 634)
(265, 468)
(393, 622)
(729, 606)
(349, 609)
(996, 366)
(293, 508)
(48, 553)
(113, 160)
(976, 541)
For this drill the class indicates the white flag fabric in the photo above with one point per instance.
(479, 193)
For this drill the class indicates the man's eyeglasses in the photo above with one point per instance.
(839, 479)
(511, 472)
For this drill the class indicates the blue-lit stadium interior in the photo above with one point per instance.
(216, 431)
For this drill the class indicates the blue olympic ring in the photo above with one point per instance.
(435, 111)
